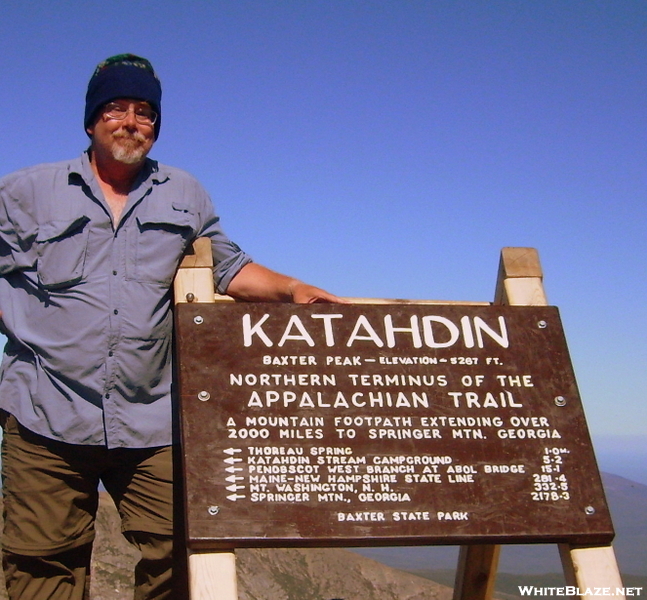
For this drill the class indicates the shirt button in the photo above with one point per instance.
(110, 353)
(114, 272)
(107, 396)
(116, 311)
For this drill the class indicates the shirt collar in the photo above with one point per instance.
(81, 168)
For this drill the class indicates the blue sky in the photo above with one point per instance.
(390, 148)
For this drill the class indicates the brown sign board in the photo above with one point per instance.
(414, 424)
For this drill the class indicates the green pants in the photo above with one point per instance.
(50, 502)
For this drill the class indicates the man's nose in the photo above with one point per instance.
(130, 120)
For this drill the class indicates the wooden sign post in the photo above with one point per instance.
(384, 423)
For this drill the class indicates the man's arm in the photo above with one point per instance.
(255, 282)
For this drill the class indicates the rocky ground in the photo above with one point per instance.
(266, 574)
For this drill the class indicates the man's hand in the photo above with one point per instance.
(255, 282)
(303, 293)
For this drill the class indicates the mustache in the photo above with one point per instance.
(130, 135)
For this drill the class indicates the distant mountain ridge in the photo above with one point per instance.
(628, 505)
(331, 574)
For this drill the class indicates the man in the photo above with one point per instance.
(88, 251)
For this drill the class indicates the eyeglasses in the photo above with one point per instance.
(143, 114)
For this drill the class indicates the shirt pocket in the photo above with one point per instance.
(157, 242)
(62, 247)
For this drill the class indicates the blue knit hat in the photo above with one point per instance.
(123, 76)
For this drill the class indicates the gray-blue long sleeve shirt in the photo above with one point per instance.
(87, 306)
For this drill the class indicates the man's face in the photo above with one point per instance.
(124, 130)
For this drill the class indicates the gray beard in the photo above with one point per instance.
(129, 153)
(128, 156)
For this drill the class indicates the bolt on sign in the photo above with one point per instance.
(383, 424)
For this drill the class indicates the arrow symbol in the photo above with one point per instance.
(233, 461)
(235, 488)
(234, 497)
(233, 479)
(232, 450)
(233, 469)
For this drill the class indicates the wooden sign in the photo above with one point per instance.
(383, 424)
